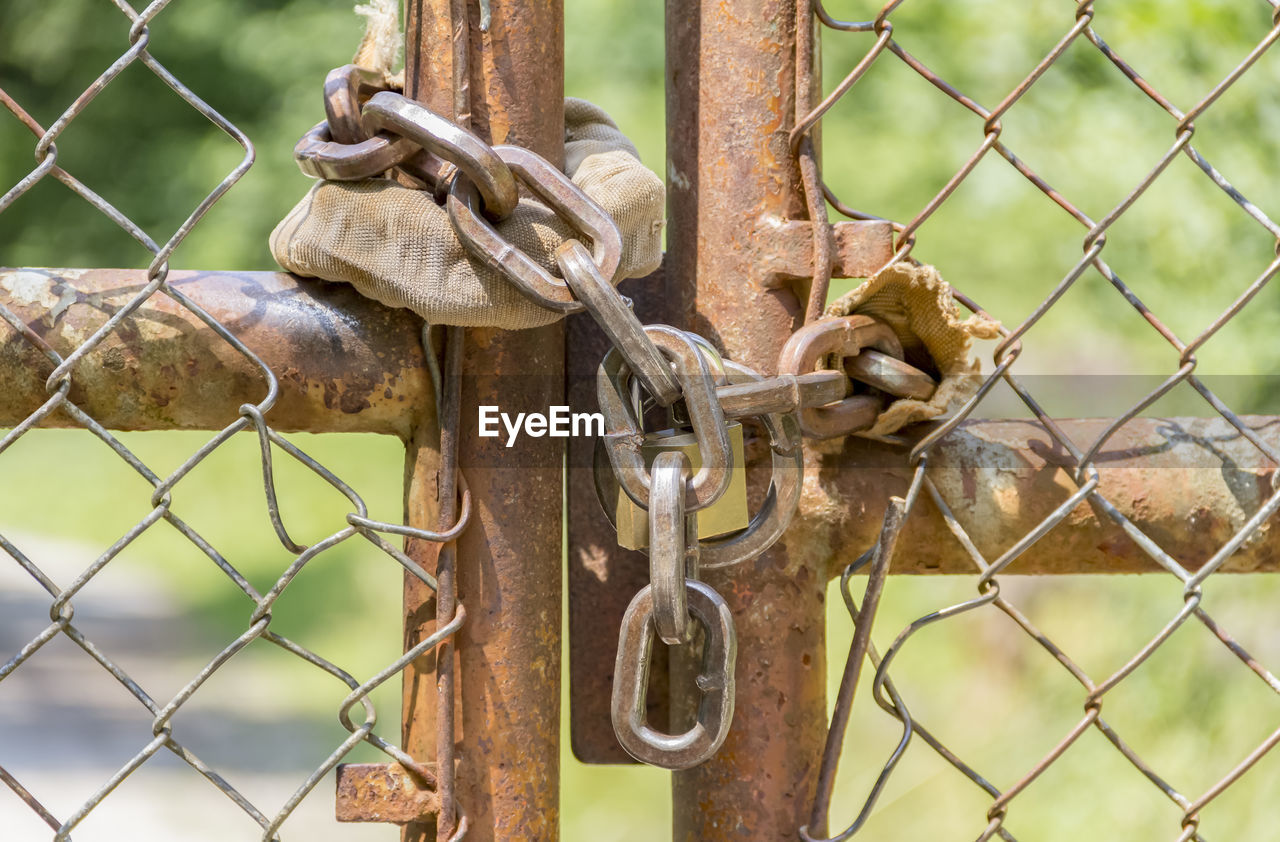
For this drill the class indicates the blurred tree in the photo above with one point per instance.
(138, 144)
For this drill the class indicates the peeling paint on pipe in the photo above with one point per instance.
(344, 363)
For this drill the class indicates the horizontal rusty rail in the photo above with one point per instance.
(345, 363)
(348, 364)
(1188, 483)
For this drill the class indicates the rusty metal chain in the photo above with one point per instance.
(672, 493)
(870, 353)
(1079, 461)
(343, 148)
(676, 369)
(668, 608)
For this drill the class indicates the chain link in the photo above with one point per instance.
(869, 351)
(675, 369)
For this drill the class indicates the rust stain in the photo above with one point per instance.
(382, 792)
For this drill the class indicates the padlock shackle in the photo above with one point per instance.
(624, 432)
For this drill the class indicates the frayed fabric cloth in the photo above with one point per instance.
(396, 245)
(917, 303)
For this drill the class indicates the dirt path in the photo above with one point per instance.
(66, 726)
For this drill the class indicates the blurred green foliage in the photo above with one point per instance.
(1185, 248)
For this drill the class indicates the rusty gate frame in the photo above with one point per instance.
(740, 247)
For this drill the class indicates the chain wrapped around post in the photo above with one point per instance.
(870, 353)
(672, 476)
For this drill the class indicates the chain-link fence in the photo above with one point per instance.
(1082, 28)
(127, 317)
(67, 364)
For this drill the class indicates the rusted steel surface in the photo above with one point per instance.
(730, 105)
(508, 561)
(504, 77)
(783, 250)
(420, 708)
(1189, 483)
(603, 577)
(430, 489)
(344, 363)
(382, 792)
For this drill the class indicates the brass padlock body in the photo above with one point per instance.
(728, 514)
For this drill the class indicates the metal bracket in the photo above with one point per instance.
(784, 249)
(383, 792)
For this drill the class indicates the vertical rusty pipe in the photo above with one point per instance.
(431, 466)
(730, 104)
(508, 561)
(447, 577)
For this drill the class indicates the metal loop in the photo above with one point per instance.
(631, 682)
(444, 536)
(890, 375)
(612, 313)
(776, 511)
(624, 432)
(845, 336)
(346, 88)
(781, 393)
(678, 413)
(319, 156)
(712, 355)
(781, 500)
(471, 155)
(668, 527)
(559, 193)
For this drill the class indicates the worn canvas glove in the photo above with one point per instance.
(396, 245)
(916, 302)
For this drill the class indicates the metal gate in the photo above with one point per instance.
(751, 256)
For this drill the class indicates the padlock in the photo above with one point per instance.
(727, 514)
(624, 457)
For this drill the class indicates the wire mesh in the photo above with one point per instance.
(252, 418)
(1079, 28)
(885, 46)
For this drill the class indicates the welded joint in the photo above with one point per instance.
(783, 249)
(383, 792)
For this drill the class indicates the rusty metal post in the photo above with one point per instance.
(730, 104)
(501, 69)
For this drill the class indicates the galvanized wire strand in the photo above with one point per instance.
(29, 799)
(893, 702)
(59, 378)
(451, 820)
(75, 185)
(1082, 462)
(806, 155)
(882, 554)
